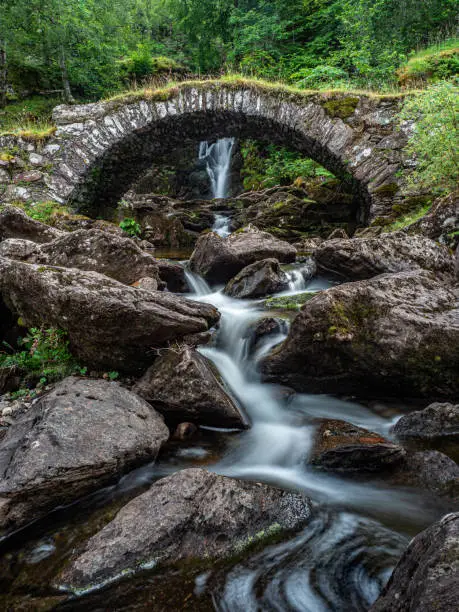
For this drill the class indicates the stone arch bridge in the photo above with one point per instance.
(99, 149)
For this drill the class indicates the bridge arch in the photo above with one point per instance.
(99, 149)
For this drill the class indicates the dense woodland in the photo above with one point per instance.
(92, 48)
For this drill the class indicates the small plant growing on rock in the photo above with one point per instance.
(131, 227)
(43, 357)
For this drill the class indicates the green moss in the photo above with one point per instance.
(288, 302)
(341, 107)
(390, 189)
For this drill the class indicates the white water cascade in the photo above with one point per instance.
(275, 448)
(218, 163)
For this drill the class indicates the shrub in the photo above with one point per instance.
(130, 226)
(43, 355)
(431, 65)
(320, 76)
(434, 137)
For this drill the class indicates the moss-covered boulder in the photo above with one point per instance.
(394, 335)
(290, 212)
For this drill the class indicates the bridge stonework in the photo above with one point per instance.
(99, 149)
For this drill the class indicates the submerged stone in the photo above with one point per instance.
(191, 515)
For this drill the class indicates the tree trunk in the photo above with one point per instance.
(3, 74)
(68, 98)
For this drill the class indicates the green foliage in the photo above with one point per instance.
(43, 356)
(320, 77)
(434, 139)
(433, 64)
(409, 218)
(45, 212)
(130, 226)
(33, 113)
(140, 64)
(270, 165)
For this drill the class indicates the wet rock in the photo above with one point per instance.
(115, 256)
(289, 212)
(258, 331)
(173, 275)
(344, 447)
(251, 244)
(436, 421)
(110, 326)
(214, 260)
(361, 258)
(338, 233)
(369, 232)
(393, 335)
(191, 515)
(147, 283)
(308, 245)
(427, 576)
(14, 223)
(219, 259)
(183, 385)
(441, 222)
(72, 441)
(10, 378)
(257, 280)
(429, 471)
(185, 431)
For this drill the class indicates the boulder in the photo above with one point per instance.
(183, 385)
(290, 212)
(147, 283)
(393, 335)
(427, 576)
(110, 326)
(361, 258)
(94, 250)
(14, 223)
(436, 421)
(441, 222)
(308, 245)
(219, 259)
(338, 233)
(214, 260)
(429, 471)
(341, 446)
(74, 440)
(251, 244)
(173, 275)
(261, 329)
(257, 280)
(191, 515)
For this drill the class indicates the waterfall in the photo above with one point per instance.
(218, 161)
(221, 225)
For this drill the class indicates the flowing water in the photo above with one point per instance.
(345, 556)
(218, 164)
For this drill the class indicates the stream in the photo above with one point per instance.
(338, 563)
